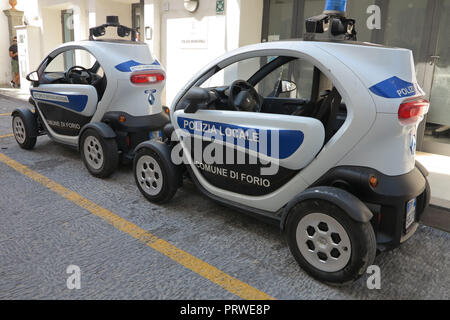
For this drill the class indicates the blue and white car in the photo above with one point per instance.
(102, 97)
(317, 136)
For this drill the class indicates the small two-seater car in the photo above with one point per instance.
(317, 136)
(101, 96)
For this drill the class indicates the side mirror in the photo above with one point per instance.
(33, 76)
(196, 98)
(288, 86)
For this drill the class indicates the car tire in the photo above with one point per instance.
(156, 176)
(328, 244)
(22, 130)
(100, 155)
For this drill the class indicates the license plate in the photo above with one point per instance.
(410, 213)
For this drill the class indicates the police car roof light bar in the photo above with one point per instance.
(112, 21)
(332, 24)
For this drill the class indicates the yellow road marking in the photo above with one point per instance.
(229, 283)
(5, 114)
(7, 135)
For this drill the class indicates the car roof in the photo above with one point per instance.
(101, 43)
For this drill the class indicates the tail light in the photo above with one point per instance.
(412, 111)
(147, 78)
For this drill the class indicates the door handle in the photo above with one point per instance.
(434, 60)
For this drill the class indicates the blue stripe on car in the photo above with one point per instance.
(289, 140)
(127, 65)
(394, 88)
(76, 102)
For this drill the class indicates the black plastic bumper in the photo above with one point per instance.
(387, 201)
(148, 123)
(134, 130)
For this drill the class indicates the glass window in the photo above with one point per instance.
(280, 19)
(437, 133)
(67, 59)
(355, 9)
(405, 24)
(440, 93)
(241, 70)
(298, 71)
(57, 64)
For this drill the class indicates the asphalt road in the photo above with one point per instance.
(42, 233)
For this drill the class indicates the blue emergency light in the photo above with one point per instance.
(335, 6)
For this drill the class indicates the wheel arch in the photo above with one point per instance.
(173, 172)
(160, 147)
(350, 204)
(102, 128)
(29, 117)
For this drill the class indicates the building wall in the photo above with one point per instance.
(241, 25)
(250, 22)
(104, 8)
(46, 14)
(51, 30)
(31, 14)
(170, 23)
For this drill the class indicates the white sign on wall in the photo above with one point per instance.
(194, 34)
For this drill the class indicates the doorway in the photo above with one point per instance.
(68, 36)
(436, 79)
(137, 18)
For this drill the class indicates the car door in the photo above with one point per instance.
(250, 153)
(65, 105)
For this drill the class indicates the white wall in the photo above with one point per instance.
(241, 25)
(46, 14)
(106, 8)
(51, 30)
(250, 22)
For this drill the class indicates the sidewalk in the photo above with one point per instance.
(16, 94)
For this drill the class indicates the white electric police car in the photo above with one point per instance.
(317, 136)
(100, 96)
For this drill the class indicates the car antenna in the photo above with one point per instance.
(332, 24)
(113, 21)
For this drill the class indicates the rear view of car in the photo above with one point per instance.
(397, 188)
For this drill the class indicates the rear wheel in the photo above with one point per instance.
(156, 177)
(100, 155)
(22, 132)
(328, 244)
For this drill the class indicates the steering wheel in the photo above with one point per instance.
(242, 96)
(79, 71)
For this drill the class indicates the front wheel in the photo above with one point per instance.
(328, 244)
(155, 175)
(22, 129)
(100, 155)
